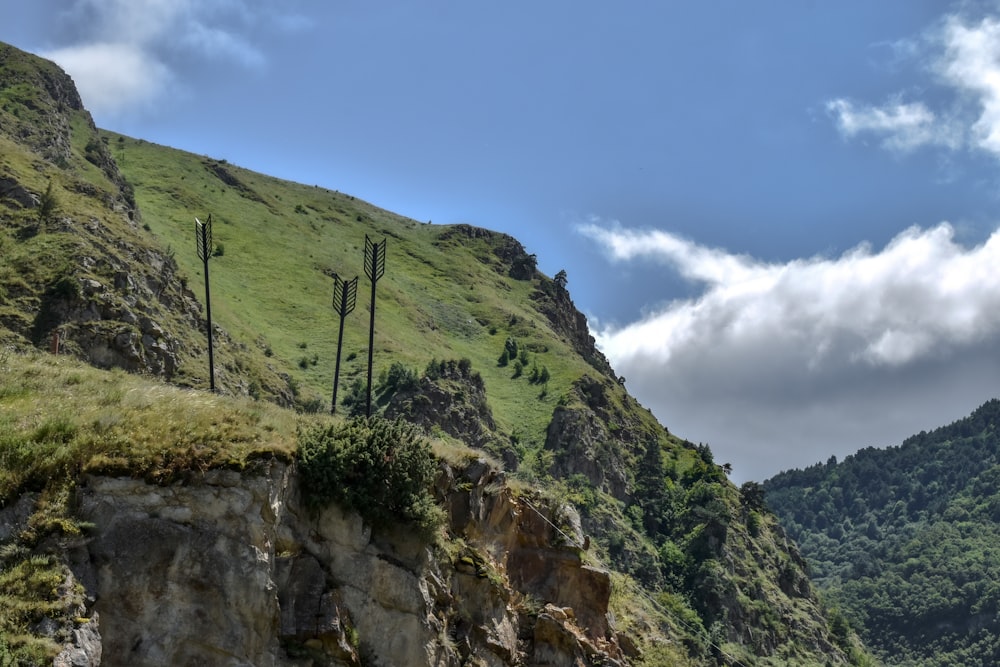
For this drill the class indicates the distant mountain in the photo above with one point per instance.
(472, 344)
(906, 540)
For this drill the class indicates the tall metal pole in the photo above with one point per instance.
(203, 235)
(345, 294)
(374, 269)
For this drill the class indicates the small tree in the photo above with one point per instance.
(561, 279)
(48, 204)
(752, 496)
(533, 375)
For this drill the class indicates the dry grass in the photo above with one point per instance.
(59, 418)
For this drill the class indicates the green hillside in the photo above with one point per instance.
(447, 292)
(98, 261)
(905, 540)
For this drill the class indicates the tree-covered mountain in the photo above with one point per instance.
(472, 344)
(905, 540)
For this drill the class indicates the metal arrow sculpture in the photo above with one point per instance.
(345, 295)
(374, 269)
(203, 235)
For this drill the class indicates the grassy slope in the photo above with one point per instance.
(59, 418)
(271, 288)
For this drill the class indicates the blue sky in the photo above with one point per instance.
(779, 217)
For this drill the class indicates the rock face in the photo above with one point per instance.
(553, 300)
(230, 570)
(579, 438)
(118, 302)
(452, 398)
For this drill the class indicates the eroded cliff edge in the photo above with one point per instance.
(229, 569)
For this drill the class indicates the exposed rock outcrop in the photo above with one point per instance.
(229, 569)
(579, 438)
(554, 301)
(453, 398)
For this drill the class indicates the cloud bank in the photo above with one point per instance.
(780, 365)
(964, 56)
(127, 55)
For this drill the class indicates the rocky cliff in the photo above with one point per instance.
(228, 568)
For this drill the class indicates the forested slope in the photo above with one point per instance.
(906, 540)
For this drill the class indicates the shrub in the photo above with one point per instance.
(312, 405)
(397, 378)
(356, 400)
(379, 468)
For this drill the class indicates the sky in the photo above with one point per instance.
(781, 218)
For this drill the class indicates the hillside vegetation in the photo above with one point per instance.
(905, 540)
(472, 344)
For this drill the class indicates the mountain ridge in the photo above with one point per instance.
(111, 281)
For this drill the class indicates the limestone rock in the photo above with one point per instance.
(85, 650)
(229, 569)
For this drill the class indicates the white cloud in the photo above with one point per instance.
(216, 43)
(903, 127)
(693, 262)
(965, 57)
(112, 77)
(125, 54)
(135, 21)
(971, 63)
(770, 349)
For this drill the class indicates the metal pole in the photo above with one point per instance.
(345, 293)
(374, 269)
(203, 234)
(336, 373)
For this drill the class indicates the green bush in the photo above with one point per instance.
(397, 378)
(356, 400)
(379, 468)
